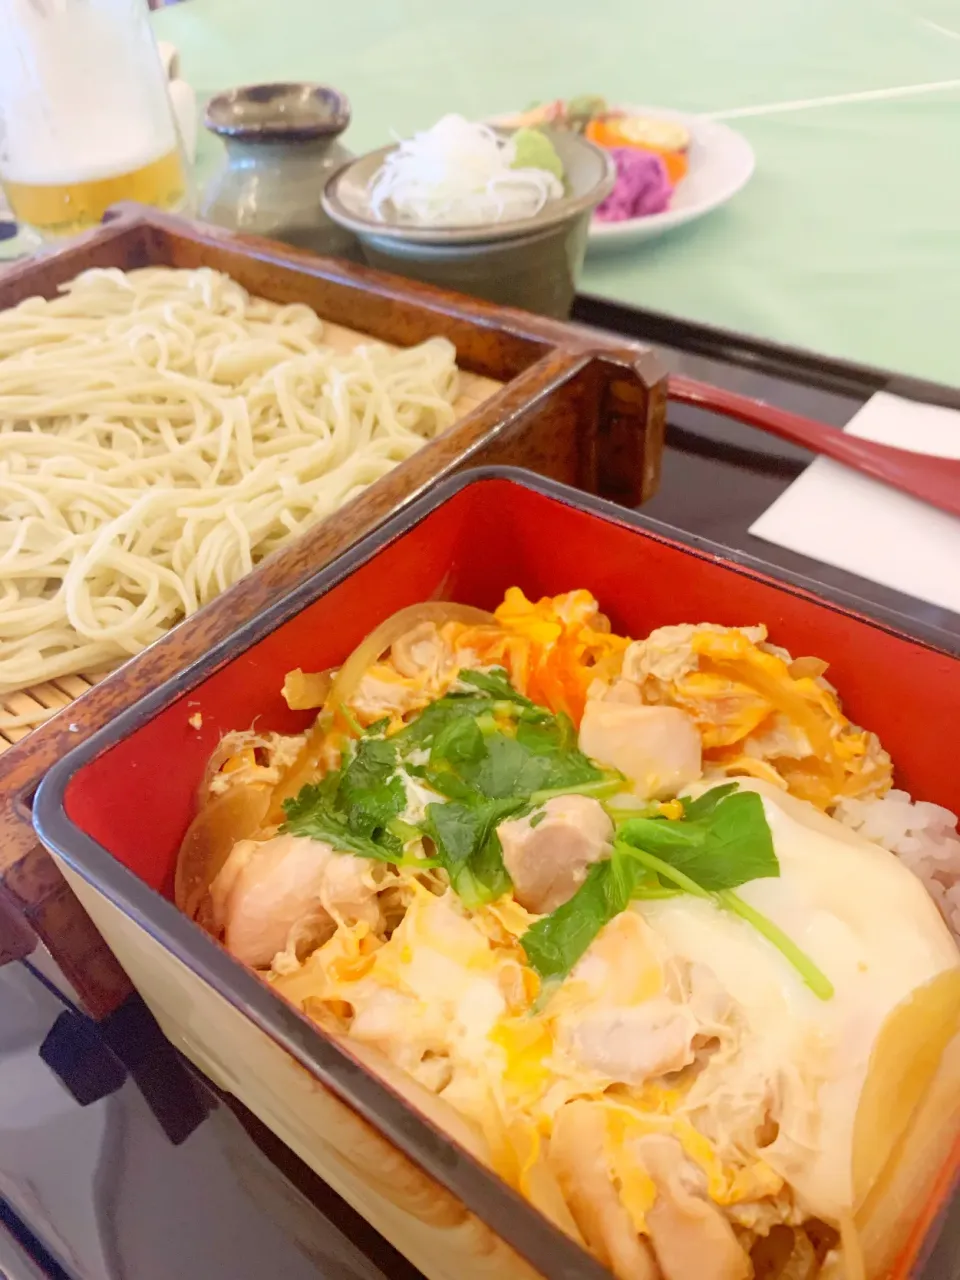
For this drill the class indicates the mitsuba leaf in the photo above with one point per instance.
(455, 829)
(703, 806)
(310, 813)
(486, 876)
(424, 728)
(555, 741)
(444, 779)
(545, 737)
(507, 769)
(726, 843)
(468, 847)
(556, 942)
(459, 741)
(371, 793)
(722, 841)
(496, 684)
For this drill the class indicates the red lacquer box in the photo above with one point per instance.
(113, 813)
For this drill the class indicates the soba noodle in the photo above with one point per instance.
(161, 432)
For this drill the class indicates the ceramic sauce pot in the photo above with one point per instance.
(281, 147)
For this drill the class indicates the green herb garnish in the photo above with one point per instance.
(371, 792)
(491, 754)
(313, 813)
(496, 684)
(556, 942)
(722, 841)
(468, 847)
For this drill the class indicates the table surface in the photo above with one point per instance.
(844, 242)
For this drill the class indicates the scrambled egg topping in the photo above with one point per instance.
(449, 998)
(760, 713)
(553, 650)
(646, 1044)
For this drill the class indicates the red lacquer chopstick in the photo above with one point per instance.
(931, 479)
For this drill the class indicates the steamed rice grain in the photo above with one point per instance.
(922, 835)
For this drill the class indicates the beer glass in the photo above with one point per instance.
(85, 114)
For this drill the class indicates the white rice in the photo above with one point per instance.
(922, 835)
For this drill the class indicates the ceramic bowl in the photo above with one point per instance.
(536, 272)
(531, 263)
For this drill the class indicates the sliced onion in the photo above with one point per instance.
(906, 1056)
(306, 690)
(908, 1121)
(230, 745)
(225, 748)
(235, 815)
(240, 811)
(383, 636)
(305, 768)
(807, 668)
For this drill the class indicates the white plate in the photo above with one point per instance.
(721, 162)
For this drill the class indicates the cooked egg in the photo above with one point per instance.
(842, 900)
(681, 1090)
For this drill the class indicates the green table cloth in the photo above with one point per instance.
(846, 241)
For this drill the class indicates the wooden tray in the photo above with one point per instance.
(562, 400)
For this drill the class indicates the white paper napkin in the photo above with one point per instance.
(843, 518)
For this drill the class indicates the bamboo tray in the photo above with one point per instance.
(563, 401)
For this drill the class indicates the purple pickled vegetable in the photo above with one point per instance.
(642, 186)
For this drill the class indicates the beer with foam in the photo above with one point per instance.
(85, 114)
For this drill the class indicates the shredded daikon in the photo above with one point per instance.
(458, 174)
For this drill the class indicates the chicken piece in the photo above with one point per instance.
(633, 1045)
(621, 967)
(401, 1027)
(578, 1156)
(657, 748)
(691, 1237)
(382, 691)
(266, 890)
(548, 852)
(620, 691)
(423, 652)
(346, 890)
